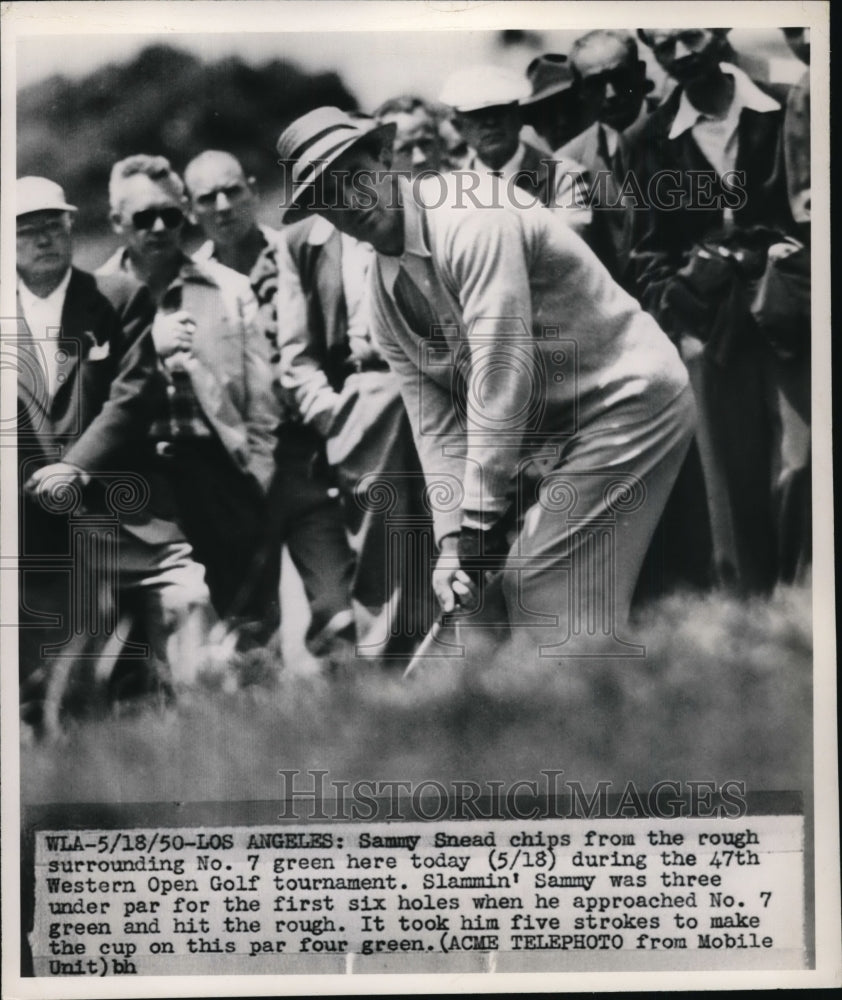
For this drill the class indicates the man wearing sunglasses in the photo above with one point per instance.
(611, 83)
(86, 373)
(717, 145)
(214, 432)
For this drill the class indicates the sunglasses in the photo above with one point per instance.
(621, 80)
(172, 218)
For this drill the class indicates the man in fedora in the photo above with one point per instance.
(484, 101)
(544, 402)
(553, 108)
(86, 376)
(343, 390)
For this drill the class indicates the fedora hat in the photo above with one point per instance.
(549, 74)
(38, 194)
(477, 87)
(315, 140)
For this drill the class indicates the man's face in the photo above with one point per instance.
(361, 199)
(557, 118)
(417, 146)
(686, 55)
(492, 132)
(222, 199)
(150, 217)
(44, 247)
(611, 82)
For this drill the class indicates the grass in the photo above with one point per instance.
(724, 692)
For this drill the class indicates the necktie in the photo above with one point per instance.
(614, 161)
(415, 307)
(618, 164)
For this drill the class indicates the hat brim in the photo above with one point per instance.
(58, 207)
(542, 95)
(482, 105)
(294, 210)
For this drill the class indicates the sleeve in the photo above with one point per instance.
(653, 261)
(485, 255)
(439, 437)
(127, 412)
(262, 414)
(301, 374)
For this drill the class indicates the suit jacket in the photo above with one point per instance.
(228, 365)
(312, 319)
(102, 408)
(663, 238)
(545, 342)
(611, 226)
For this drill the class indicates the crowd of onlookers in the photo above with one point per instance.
(182, 418)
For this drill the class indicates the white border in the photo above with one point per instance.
(73, 18)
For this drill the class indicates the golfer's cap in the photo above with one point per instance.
(37, 194)
(477, 87)
(314, 141)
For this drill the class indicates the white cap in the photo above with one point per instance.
(37, 194)
(476, 87)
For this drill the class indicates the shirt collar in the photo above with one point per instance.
(746, 95)
(207, 251)
(56, 295)
(320, 232)
(414, 242)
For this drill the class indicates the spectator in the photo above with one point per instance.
(418, 144)
(612, 84)
(484, 102)
(468, 306)
(343, 388)
(85, 387)
(214, 432)
(456, 149)
(553, 108)
(717, 141)
(301, 512)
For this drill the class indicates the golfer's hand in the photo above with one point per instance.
(173, 332)
(54, 479)
(451, 584)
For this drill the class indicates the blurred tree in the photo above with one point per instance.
(163, 101)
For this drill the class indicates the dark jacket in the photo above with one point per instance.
(100, 413)
(663, 238)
